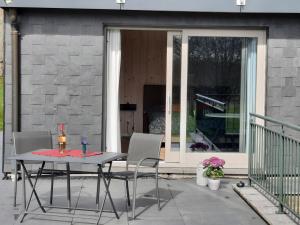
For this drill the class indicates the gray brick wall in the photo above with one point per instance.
(62, 59)
(283, 96)
(61, 77)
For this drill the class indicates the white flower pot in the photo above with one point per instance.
(201, 180)
(214, 184)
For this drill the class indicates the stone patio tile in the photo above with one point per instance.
(155, 222)
(210, 218)
(267, 209)
(107, 220)
(183, 203)
(44, 220)
(165, 213)
(264, 207)
(201, 208)
(256, 197)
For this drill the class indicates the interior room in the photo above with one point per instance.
(142, 83)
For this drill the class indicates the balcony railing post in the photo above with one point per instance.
(250, 151)
(281, 171)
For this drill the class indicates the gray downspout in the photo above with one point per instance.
(15, 120)
(12, 16)
(15, 70)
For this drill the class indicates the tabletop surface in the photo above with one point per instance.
(105, 157)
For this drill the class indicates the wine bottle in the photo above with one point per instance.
(61, 139)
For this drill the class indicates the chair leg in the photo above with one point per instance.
(98, 189)
(134, 197)
(157, 189)
(15, 184)
(127, 192)
(126, 199)
(24, 188)
(52, 184)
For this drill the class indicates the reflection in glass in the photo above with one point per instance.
(176, 79)
(214, 102)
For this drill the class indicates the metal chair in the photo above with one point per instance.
(143, 152)
(27, 141)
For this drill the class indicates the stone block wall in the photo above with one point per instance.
(283, 87)
(61, 74)
(61, 77)
(283, 75)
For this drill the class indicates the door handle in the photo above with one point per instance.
(170, 105)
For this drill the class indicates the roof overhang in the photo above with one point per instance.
(222, 6)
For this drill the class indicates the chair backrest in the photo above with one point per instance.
(27, 141)
(143, 146)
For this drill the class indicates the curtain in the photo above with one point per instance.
(248, 87)
(113, 137)
(251, 83)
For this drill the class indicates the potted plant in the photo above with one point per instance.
(214, 171)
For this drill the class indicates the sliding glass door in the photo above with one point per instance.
(219, 70)
(213, 81)
(215, 94)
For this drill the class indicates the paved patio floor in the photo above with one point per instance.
(183, 203)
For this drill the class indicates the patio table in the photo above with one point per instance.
(99, 160)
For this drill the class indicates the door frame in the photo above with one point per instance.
(170, 156)
(182, 158)
(235, 160)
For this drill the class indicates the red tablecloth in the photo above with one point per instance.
(71, 152)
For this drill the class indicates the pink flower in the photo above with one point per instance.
(213, 158)
(206, 163)
(214, 162)
(222, 162)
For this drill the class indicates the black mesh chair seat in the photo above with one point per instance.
(123, 175)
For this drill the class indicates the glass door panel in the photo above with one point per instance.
(222, 75)
(175, 108)
(213, 94)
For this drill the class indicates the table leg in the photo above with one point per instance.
(107, 192)
(52, 182)
(15, 183)
(33, 188)
(24, 188)
(109, 179)
(68, 185)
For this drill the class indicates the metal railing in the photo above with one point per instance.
(274, 161)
